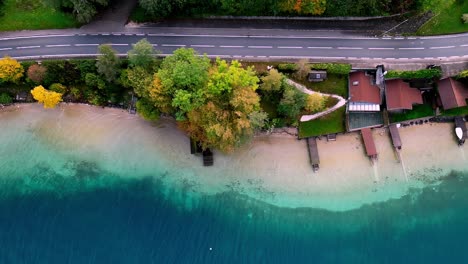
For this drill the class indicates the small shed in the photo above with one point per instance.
(22, 96)
(313, 153)
(317, 76)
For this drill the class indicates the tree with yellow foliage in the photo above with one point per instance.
(49, 98)
(10, 70)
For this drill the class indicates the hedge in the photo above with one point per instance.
(336, 68)
(420, 74)
(287, 67)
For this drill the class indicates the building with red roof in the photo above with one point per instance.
(452, 93)
(400, 96)
(364, 94)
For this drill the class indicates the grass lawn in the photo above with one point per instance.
(334, 84)
(459, 111)
(17, 17)
(331, 123)
(447, 20)
(418, 111)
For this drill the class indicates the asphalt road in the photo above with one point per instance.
(234, 44)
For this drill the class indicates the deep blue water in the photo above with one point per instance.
(132, 221)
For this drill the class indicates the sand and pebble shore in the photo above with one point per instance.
(273, 168)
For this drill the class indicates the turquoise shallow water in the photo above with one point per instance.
(62, 200)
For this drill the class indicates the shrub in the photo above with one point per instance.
(58, 87)
(147, 110)
(287, 67)
(463, 74)
(5, 99)
(315, 102)
(465, 18)
(420, 74)
(36, 73)
(336, 68)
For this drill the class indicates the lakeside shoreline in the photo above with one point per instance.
(272, 168)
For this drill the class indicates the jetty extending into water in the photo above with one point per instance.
(313, 153)
(369, 144)
(396, 140)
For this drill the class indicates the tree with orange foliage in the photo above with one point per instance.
(304, 7)
(49, 98)
(10, 70)
(36, 73)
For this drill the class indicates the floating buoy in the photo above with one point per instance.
(211, 249)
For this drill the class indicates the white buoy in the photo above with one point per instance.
(211, 249)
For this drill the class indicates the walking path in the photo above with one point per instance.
(302, 88)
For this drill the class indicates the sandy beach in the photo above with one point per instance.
(273, 169)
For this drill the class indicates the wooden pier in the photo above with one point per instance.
(313, 153)
(396, 140)
(208, 157)
(369, 144)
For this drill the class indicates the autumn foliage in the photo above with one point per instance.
(304, 7)
(36, 73)
(10, 70)
(49, 98)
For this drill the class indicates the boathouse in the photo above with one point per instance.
(400, 96)
(369, 143)
(313, 153)
(452, 93)
(395, 134)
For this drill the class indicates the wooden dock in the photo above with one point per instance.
(395, 134)
(313, 153)
(396, 140)
(208, 157)
(369, 144)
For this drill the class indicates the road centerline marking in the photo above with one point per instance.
(289, 47)
(350, 48)
(231, 46)
(173, 45)
(319, 47)
(58, 45)
(28, 47)
(260, 47)
(85, 44)
(420, 48)
(443, 47)
(381, 48)
(202, 46)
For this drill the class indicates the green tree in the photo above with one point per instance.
(5, 99)
(273, 81)
(162, 8)
(315, 102)
(224, 120)
(292, 102)
(58, 87)
(142, 54)
(147, 110)
(182, 75)
(137, 78)
(84, 10)
(463, 74)
(92, 80)
(108, 63)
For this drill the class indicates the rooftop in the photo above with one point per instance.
(401, 96)
(361, 88)
(452, 93)
(369, 142)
